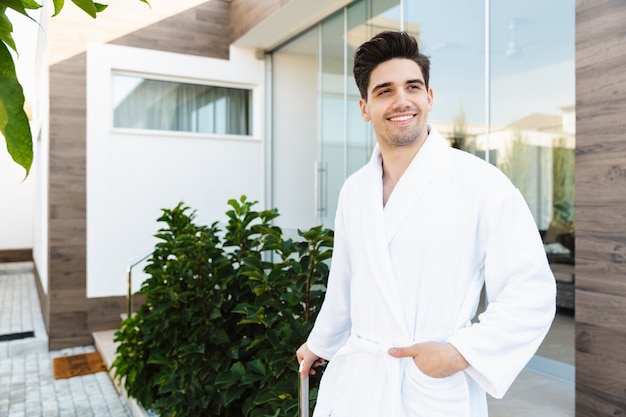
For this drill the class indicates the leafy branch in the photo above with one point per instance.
(14, 124)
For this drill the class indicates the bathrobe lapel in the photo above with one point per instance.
(415, 180)
(377, 248)
(385, 222)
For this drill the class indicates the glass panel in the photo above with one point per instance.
(360, 140)
(364, 20)
(141, 103)
(533, 133)
(455, 43)
(333, 118)
(346, 142)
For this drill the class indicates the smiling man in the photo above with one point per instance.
(418, 232)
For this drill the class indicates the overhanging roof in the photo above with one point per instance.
(290, 20)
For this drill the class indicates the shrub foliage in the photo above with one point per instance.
(225, 311)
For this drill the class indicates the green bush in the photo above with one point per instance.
(225, 311)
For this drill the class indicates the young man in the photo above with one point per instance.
(418, 231)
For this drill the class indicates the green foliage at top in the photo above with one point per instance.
(225, 311)
(14, 125)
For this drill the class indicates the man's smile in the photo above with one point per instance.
(401, 118)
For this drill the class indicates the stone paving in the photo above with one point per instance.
(27, 384)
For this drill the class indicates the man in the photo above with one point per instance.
(418, 231)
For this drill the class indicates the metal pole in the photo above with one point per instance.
(129, 294)
(304, 393)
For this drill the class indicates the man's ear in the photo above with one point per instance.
(364, 114)
(431, 98)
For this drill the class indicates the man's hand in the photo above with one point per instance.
(310, 359)
(437, 360)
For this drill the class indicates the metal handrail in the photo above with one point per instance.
(129, 271)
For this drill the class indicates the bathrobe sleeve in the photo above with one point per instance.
(521, 294)
(333, 324)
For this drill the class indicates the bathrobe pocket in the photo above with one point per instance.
(426, 396)
(354, 384)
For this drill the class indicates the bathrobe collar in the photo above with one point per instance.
(388, 220)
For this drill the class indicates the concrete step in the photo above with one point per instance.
(103, 341)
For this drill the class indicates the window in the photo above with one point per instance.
(141, 103)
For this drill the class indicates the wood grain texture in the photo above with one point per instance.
(203, 31)
(593, 403)
(600, 207)
(16, 255)
(245, 14)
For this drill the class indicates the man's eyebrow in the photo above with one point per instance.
(416, 81)
(379, 86)
(387, 84)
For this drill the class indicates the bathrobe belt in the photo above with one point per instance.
(396, 366)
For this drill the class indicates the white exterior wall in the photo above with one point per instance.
(131, 176)
(41, 146)
(16, 203)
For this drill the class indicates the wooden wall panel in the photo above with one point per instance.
(201, 30)
(66, 315)
(600, 207)
(16, 255)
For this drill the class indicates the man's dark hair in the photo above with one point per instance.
(383, 47)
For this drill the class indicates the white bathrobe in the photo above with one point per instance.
(412, 271)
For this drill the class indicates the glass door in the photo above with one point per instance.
(532, 126)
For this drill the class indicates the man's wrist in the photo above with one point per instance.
(457, 360)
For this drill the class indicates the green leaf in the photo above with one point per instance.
(58, 5)
(227, 378)
(100, 7)
(238, 369)
(20, 6)
(14, 124)
(88, 6)
(257, 366)
(31, 4)
(264, 396)
(234, 394)
(6, 28)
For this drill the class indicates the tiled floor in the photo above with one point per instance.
(28, 389)
(27, 384)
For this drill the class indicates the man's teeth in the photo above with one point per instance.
(400, 118)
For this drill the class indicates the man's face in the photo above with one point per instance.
(397, 103)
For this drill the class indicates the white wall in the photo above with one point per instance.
(16, 203)
(132, 176)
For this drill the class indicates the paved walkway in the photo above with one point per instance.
(27, 384)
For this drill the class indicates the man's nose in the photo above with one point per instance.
(401, 100)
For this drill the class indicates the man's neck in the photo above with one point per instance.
(395, 161)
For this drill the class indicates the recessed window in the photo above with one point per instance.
(142, 103)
